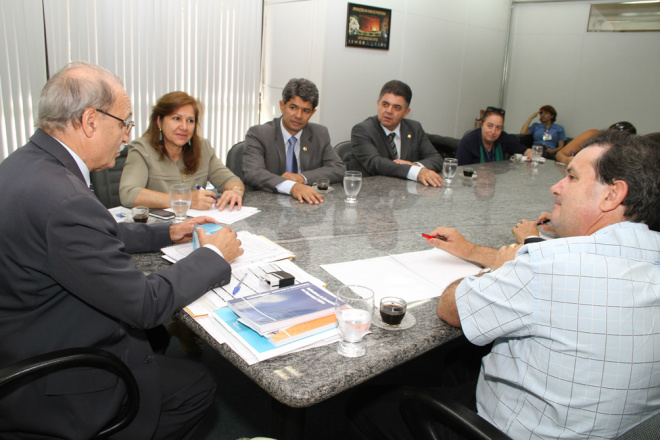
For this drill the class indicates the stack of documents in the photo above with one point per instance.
(272, 323)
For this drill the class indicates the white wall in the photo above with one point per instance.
(450, 53)
(592, 79)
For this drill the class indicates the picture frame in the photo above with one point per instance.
(368, 27)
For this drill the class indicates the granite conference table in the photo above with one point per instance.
(388, 219)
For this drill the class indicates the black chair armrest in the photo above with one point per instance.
(421, 410)
(79, 357)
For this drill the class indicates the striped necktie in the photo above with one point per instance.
(395, 154)
(291, 162)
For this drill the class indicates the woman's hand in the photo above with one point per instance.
(202, 199)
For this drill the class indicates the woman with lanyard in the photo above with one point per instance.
(489, 143)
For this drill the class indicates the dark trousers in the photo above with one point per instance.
(373, 410)
(188, 391)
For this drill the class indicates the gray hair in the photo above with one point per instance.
(302, 88)
(75, 88)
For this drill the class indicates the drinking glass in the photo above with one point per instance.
(537, 153)
(353, 308)
(449, 167)
(180, 198)
(352, 185)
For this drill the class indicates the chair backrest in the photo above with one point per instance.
(235, 159)
(106, 182)
(38, 366)
(444, 145)
(343, 150)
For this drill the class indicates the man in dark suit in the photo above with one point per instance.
(67, 279)
(288, 154)
(389, 145)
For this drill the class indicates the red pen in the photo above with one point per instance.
(439, 237)
(427, 236)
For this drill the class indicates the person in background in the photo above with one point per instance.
(545, 132)
(68, 280)
(489, 143)
(566, 154)
(172, 151)
(288, 154)
(388, 144)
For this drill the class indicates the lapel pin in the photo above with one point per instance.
(304, 148)
(409, 136)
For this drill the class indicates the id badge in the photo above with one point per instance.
(547, 136)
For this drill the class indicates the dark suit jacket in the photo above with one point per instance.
(264, 156)
(67, 280)
(372, 154)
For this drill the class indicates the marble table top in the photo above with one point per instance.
(388, 219)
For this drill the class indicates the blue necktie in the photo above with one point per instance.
(291, 162)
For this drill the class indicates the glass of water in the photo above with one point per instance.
(180, 198)
(354, 307)
(537, 153)
(449, 167)
(352, 185)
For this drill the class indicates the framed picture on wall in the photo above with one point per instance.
(368, 27)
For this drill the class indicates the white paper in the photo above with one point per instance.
(413, 276)
(225, 216)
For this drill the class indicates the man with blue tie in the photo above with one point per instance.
(288, 154)
(389, 145)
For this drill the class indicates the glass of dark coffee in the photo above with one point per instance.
(140, 214)
(323, 184)
(392, 310)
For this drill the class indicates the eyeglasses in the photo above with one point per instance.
(499, 111)
(621, 126)
(127, 125)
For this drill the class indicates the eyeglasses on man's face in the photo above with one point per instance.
(126, 125)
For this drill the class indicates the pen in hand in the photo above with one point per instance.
(543, 222)
(439, 237)
(238, 286)
(199, 187)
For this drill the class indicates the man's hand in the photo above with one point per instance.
(545, 226)
(504, 254)
(202, 199)
(304, 193)
(182, 232)
(298, 178)
(524, 229)
(450, 240)
(230, 198)
(225, 240)
(429, 177)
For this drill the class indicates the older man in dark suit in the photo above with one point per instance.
(288, 154)
(67, 279)
(389, 145)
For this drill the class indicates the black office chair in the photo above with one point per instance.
(106, 182)
(343, 150)
(235, 159)
(421, 409)
(38, 366)
(445, 145)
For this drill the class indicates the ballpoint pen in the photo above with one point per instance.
(238, 286)
(439, 237)
(543, 222)
(199, 187)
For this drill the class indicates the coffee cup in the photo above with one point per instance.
(468, 172)
(518, 157)
(393, 310)
(140, 214)
(322, 184)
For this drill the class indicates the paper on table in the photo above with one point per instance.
(412, 276)
(216, 298)
(256, 249)
(225, 216)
